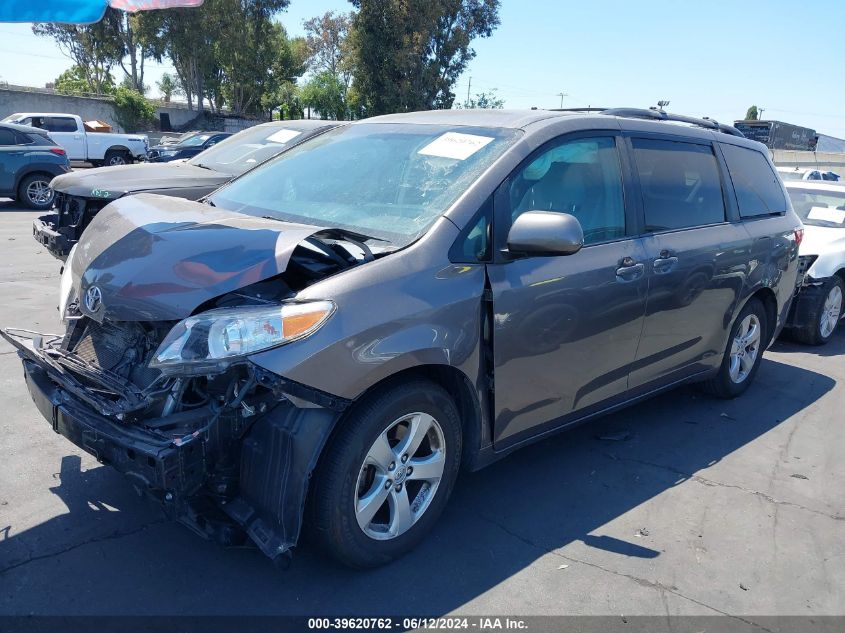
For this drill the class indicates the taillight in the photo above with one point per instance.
(799, 235)
(58, 151)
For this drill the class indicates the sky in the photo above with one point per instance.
(708, 58)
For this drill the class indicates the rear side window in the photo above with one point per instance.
(680, 184)
(758, 190)
(60, 124)
(7, 137)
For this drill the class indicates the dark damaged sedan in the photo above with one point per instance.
(81, 194)
(327, 339)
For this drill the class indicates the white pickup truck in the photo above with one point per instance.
(99, 148)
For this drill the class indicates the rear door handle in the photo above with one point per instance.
(629, 272)
(663, 265)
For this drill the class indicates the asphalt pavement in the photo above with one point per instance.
(689, 505)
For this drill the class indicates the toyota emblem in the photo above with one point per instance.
(93, 299)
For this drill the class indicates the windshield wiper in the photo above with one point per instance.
(338, 232)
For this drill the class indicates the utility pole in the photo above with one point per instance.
(760, 113)
(561, 95)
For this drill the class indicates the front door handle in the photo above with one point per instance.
(663, 265)
(629, 272)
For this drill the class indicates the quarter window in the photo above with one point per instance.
(680, 184)
(581, 177)
(758, 189)
(7, 137)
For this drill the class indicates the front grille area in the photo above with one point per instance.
(105, 345)
(70, 209)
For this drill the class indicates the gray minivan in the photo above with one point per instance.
(327, 339)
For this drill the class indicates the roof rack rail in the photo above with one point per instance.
(660, 115)
(589, 109)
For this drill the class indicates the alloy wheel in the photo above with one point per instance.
(400, 476)
(745, 348)
(38, 192)
(117, 159)
(831, 311)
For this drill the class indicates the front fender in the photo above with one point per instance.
(405, 310)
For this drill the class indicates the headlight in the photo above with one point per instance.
(208, 341)
(66, 284)
(168, 152)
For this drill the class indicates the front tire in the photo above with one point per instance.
(35, 192)
(387, 475)
(818, 312)
(744, 352)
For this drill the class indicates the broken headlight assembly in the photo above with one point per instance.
(211, 341)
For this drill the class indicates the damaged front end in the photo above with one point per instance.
(175, 403)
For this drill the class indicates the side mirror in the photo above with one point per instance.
(545, 233)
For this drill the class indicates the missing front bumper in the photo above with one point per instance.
(157, 466)
(264, 483)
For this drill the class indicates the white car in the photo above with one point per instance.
(99, 148)
(797, 173)
(817, 307)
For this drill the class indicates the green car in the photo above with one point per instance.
(29, 160)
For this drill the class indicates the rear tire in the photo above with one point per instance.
(34, 191)
(369, 503)
(749, 337)
(818, 312)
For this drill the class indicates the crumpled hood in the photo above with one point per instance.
(113, 182)
(157, 258)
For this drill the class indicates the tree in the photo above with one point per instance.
(408, 54)
(187, 40)
(487, 100)
(137, 35)
(752, 114)
(325, 93)
(223, 51)
(74, 81)
(286, 99)
(327, 45)
(127, 82)
(168, 86)
(132, 110)
(250, 53)
(94, 48)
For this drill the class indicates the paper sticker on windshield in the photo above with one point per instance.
(826, 214)
(283, 136)
(455, 145)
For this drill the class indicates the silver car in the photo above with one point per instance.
(329, 338)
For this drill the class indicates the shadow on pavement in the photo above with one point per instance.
(834, 347)
(499, 521)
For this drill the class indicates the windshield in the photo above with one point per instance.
(391, 181)
(246, 149)
(819, 208)
(195, 140)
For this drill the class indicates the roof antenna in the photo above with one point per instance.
(661, 105)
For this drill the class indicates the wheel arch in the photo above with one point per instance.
(117, 148)
(31, 172)
(452, 380)
(767, 297)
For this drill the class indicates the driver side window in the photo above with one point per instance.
(581, 177)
